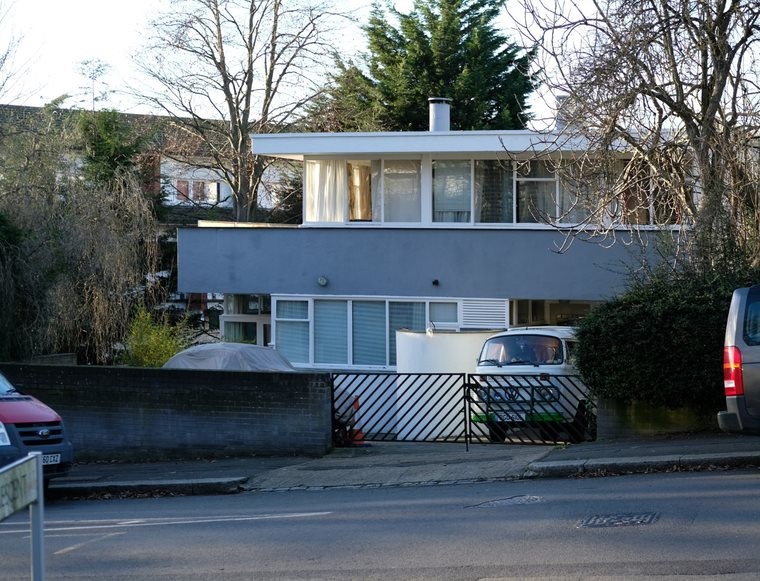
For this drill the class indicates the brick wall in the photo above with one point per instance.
(127, 413)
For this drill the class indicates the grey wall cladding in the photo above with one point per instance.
(121, 413)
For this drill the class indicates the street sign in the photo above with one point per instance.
(18, 486)
(21, 485)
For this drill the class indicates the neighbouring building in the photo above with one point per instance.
(440, 230)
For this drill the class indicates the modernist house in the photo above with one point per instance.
(442, 230)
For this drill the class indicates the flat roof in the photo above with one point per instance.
(525, 143)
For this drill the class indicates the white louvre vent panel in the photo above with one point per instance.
(485, 314)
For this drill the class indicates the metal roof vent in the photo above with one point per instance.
(440, 113)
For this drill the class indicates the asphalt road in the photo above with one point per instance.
(681, 524)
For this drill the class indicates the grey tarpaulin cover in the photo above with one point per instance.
(230, 356)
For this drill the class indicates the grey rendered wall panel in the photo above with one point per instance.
(467, 263)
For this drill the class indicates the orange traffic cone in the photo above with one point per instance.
(357, 436)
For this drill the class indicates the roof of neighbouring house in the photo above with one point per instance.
(166, 135)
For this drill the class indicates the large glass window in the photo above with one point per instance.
(536, 191)
(452, 187)
(572, 204)
(493, 191)
(575, 199)
(330, 332)
(241, 331)
(402, 191)
(292, 338)
(363, 191)
(410, 316)
(632, 190)
(368, 332)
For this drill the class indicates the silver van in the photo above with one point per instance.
(527, 381)
(741, 363)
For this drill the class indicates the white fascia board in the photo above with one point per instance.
(300, 145)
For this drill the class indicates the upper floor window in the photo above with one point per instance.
(340, 190)
(363, 191)
(452, 190)
(536, 186)
(494, 192)
(482, 191)
(402, 191)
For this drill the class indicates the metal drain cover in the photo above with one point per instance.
(627, 519)
(511, 501)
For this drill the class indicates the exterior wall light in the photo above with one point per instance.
(436, 282)
(322, 280)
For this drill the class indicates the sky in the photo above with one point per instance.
(56, 36)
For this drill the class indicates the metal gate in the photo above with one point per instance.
(459, 407)
(531, 409)
(411, 407)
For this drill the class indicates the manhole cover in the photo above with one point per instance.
(511, 501)
(627, 519)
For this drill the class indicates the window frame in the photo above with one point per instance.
(560, 192)
(349, 301)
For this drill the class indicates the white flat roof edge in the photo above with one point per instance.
(298, 145)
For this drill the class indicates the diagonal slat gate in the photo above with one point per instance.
(524, 409)
(459, 407)
(412, 407)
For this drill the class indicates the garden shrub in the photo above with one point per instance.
(151, 343)
(661, 342)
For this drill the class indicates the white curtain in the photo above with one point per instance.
(402, 191)
(326, 190)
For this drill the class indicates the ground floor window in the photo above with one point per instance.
(292, 334)
(246, 319)
(526, 312)
(361, 332)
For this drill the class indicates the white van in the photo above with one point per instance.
(527, 381)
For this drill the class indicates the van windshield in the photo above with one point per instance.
(522, 350)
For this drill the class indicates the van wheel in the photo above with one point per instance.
(497, 432)
(549, 431)
(579, 427)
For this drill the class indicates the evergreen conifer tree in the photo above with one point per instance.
(442, 48)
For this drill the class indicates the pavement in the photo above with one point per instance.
(378, 464)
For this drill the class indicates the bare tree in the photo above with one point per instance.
(226, 68)
(664, 96)
(94, 70)
(10, 72)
